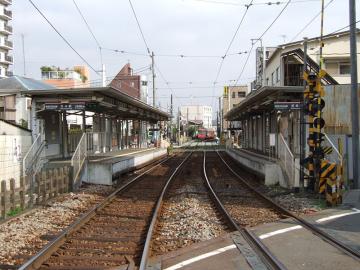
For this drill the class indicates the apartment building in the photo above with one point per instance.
(196, 113)
(76, 77)
(131, 84)
(232, 96)
(6, 44)
(284, 63)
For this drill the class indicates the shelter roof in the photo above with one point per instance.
(261, 100)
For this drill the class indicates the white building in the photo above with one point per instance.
(197, 112)
(284, 63)
(5, 43)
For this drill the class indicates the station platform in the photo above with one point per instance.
(294, 246)
(263, 166)
(101, 168)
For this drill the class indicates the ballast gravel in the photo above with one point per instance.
(187, 217)
(21, 237)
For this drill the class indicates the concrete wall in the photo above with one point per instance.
(102, 172)
(271, 171)
(14, 144)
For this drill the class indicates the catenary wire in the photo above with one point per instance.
(139, 26)
(63, 38)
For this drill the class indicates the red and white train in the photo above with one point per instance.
(206, 134)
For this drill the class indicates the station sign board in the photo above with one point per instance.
(287, 106)
(65, 106)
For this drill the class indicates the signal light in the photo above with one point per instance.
(319, 122)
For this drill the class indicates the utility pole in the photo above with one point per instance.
(23, 50)
(103, 76)
(153, 76)
(171, 116)
(302, 123)
(354, 95)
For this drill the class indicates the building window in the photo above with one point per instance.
(267, 81)
(278, 74)
(241, 94)
(344, 68)
(144, 83)
(132, 84)
(233, 94)
(272, 79)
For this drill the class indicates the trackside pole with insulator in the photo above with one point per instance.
(354, 94)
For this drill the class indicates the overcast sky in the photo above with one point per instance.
(176, 27)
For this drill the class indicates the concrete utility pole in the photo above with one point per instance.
(103, 76)
(302, 121)
(153, 77)
(354, 95)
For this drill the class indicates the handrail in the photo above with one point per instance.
(25, 167)
(334, 147)
(286, 145)
(79, 156)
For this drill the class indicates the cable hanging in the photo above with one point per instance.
(63, 38)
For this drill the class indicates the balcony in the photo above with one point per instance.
(6, 44)
(60, 75)
(6, 14)
(6, 2)
(6, 29)
(6, 59)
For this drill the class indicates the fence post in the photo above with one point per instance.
(22, 192)
(43, 182)
(3, 198)
(38, 188)
(58, 189)
(50, 175)
(12, 194)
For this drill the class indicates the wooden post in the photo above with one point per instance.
(12, 194)
(3, 198)
(50, 175)
(43, 182)
(57, 178)
(38, 188)
(22, 192)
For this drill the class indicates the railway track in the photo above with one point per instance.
(112, 234)
(223, 175)
(188, 214)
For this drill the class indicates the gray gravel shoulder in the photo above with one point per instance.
(24, 235)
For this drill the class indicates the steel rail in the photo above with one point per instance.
(36, 261)
(267, 257)
(323, 235)
(146, 250)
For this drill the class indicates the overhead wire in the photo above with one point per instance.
(229, 46)
(63, 38)
(311, 21)
(257, 40)
(139, 26)
(90, 30)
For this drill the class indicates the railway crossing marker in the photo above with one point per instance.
(324, 176)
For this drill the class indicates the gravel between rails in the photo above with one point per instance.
(188, 215)
(244, 206)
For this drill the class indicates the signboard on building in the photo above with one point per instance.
(226, 91)
(287, 106)
(65, 106)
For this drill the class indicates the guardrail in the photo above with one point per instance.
(288, 160)
(33, 156)
(79, 157)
